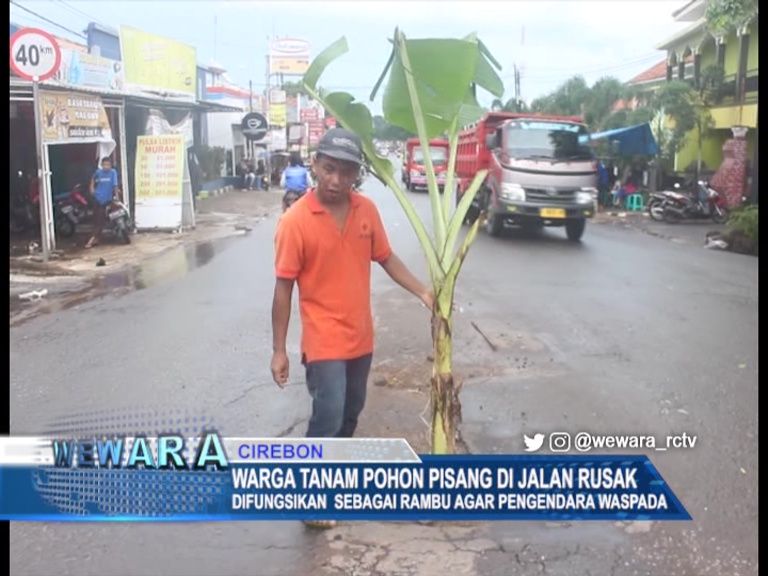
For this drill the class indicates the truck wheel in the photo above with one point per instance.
(575, 228)
(472, 214)
(493, 224)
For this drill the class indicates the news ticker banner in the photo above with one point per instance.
(210, 478)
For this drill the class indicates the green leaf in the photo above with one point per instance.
(442, 70)
(453, 272)
(383, 75)
(454, 226)
(486, 77)
(470, 111)
(320, 63)
(448, 194)
(438, 219)
(487, 54)
(354, 115)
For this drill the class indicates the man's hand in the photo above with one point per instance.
(280, 368)
(428, 299)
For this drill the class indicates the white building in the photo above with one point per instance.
(224, 129)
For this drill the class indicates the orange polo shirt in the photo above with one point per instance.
(333, 271)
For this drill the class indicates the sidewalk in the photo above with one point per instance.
(216, 217)
(76, 270)
(692, 232)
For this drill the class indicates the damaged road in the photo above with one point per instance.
(624, 333)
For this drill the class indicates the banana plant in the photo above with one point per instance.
(430, 91)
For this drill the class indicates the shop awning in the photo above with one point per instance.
(635, 140)
(23, 89)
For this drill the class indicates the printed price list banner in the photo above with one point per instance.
(160, 167)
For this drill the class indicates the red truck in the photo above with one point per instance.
(541, 171)
(414, 172)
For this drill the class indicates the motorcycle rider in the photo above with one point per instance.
(103, 187)
(295, 180)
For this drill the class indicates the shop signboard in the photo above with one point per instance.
(155, 63)
(89, 70)
(71, 117)
(308, 114)
(288, 56)
(316, 130)
(277, 108)
(295, 133)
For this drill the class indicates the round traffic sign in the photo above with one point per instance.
(254, 126)
(35, 54)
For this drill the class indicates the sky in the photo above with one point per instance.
(549, 40)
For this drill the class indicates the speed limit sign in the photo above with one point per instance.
(35, 54)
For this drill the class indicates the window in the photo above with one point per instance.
(438, 154)
(552, 140)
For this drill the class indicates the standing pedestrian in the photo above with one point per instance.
(260, 171)
(603, 184)
(103, 187)
(325, 244)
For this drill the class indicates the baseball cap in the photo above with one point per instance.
(341, 144)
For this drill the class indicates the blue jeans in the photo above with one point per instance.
(338, 390)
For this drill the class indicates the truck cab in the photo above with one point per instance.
(414, 171)
(541, 172)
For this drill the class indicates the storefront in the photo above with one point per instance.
(78, 128)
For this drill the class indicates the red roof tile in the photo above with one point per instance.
(655, 72)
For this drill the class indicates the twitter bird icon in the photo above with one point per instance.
(533, 444)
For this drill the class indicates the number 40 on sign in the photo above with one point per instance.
(35, 54)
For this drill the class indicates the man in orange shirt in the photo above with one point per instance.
(325, 243)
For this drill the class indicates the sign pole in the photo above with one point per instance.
(36, 56)
(45, 232)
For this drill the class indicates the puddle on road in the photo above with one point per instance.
(171, 265)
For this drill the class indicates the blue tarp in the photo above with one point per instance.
(633, 141)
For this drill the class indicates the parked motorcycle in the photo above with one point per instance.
(119, 221)
(70, 209)
(25, 210)
(672, 207)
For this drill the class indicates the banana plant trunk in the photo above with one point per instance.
(446, 408)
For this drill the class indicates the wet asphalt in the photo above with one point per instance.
(624, 333)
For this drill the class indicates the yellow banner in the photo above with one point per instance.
(69, 116)
(277, 114)
(160, 167)
(289, 65)
(154, 62)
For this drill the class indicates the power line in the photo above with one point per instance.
(78, 11)
(43, 18)
(621, 66)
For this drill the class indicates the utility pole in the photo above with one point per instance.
(518, 88)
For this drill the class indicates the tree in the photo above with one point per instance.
(569, 99)
(514, 105)
(383, 130)
(675, 99)
(430, 90)
(601, 99)
(725, 16)
(575, 98)
(689, 109)
(294, 89)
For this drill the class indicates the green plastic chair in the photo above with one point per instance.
(635, 203)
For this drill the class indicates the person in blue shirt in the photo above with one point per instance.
(295, 180)
(603, 184)
(103, 188)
